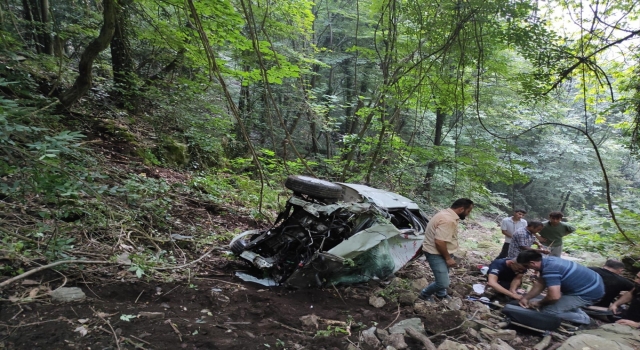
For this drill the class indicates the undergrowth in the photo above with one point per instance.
(62, 196)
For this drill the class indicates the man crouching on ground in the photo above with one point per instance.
(570, 287)
(440, 242)
(505, 277)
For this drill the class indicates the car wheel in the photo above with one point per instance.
(237, 247)
(313, 187)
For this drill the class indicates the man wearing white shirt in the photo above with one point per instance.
(509, 226)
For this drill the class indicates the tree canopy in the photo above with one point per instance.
(516, 104)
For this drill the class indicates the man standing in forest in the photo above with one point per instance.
(440, 242)
(524, 238)
(509, 226)
(553, 231)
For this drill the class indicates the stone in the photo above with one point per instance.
(419, 284)
(422, 308)
(400, 327)
(352, 347)
(382, 334)
(309, 321)
(516, 341)
(477, 307)
(591, 341)
(469, 324)
(151, 315)
(389, 347)
(66, 294)
(453, 303)
(499, 344)
(377, 302)
(489, 333)
(407, 298)
(397, 341)
(472, 332)
(395, 282)
(507, 335)
(619, 329)
(369, 338)
(451, 345)
(608, 336)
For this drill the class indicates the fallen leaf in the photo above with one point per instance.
(83, 320)
(34, 292)
(83, 331)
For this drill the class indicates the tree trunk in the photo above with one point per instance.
(36, 12)
(124, 78)
(97, 45)
(437, 141)
(565, 200)
(45, 33)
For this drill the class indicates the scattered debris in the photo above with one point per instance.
(82, 330)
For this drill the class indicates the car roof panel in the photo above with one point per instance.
(381, 198)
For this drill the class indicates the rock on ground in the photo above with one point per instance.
(369, 338)
(451, 345)
(608, 336)
(400, 327)
(397, 341)
(376, 302)
(66, 294)
(499, 344)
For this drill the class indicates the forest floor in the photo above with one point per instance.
(213, 309)
(205, 306)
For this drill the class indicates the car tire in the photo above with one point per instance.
(313, 187)
(237, 247)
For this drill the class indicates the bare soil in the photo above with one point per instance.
(219, 312)
(215, 310)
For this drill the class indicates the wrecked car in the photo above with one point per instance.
(333, 233)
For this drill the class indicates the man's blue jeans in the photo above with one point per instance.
(568, 307)
(441, 275)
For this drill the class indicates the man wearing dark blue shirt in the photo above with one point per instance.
(570, 286)
(505, 277)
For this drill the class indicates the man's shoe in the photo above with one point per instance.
(427, 298)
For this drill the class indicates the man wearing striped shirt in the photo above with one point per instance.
(570, 286)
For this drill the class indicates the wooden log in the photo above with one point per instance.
(543, 343)
(426, 342)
